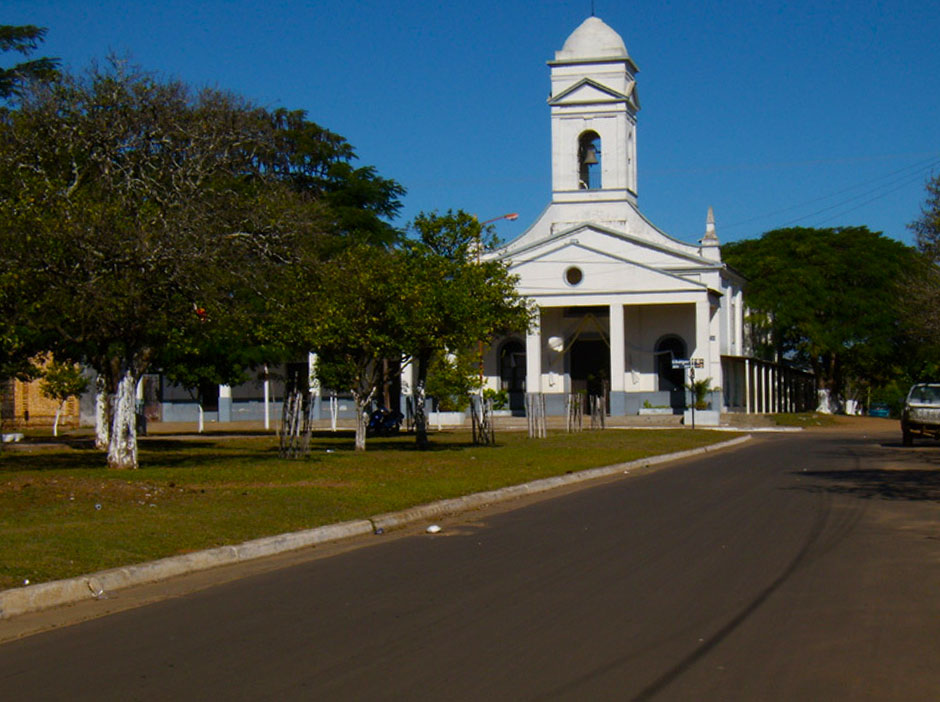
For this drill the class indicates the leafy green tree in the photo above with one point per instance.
(923, 286)
(24, 39)
(831, 299)
(18, 343)
(451, 379)
(61, 381)
(357, 320)
(461, 298)
(927, 227)
(417, 301)
(142, 213)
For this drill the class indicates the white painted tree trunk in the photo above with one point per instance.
(55, 423)
(421, 419)
(202, 419)
(824, 405)
(122, 450)
(102, 415)
(361, 422)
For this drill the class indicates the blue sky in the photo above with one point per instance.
(798, 114)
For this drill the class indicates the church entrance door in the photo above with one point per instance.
(671, 379)
(590, 367)
(512, 374)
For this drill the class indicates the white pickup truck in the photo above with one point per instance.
(921, 415)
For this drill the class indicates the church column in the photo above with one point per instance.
(702, 325)
(533, 356)
(618, 368)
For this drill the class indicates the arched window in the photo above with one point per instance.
(589, 161)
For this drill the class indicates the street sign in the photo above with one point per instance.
(698, 362)
(681, 363)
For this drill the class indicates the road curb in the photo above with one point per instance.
(32, 598)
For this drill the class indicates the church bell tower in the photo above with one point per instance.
(593, 110)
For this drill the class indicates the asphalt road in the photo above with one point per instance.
(793, 568)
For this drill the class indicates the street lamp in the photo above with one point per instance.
(511, 216)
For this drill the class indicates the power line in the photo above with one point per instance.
(900, 178)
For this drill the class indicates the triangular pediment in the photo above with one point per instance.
(587, 91)
(679, 258)
(543, 270)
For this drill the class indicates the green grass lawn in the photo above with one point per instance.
(62, 513)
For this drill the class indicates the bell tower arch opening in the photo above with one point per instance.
(589, 161)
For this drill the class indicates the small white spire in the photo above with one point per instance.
(711, 239)
(709, 247)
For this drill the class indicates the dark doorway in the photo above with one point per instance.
(512, 374)
(671, 379)
(590, 367)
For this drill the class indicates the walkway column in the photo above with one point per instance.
(225, 403)
(533, 355)
(267, 398)
(618, 400)
(747, 386)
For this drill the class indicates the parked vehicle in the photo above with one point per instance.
(921, 416)
(384, 422)
(879, 409)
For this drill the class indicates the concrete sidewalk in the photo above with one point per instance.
(42, 596)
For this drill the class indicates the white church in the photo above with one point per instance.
(618, 300)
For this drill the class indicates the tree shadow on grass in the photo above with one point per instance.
(196, 450)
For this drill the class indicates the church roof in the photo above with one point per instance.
(593, 39)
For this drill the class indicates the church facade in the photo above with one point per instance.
(619, 303)
(618, 300)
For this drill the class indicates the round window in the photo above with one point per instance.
(574, 275)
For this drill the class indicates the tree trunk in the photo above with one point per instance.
(361, 423)
(55, 422)
(122, 450)
(102, 414)
(421, 420)
(202, 419)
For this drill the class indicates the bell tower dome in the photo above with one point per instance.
(593, 110)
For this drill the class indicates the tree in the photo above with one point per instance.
(452, 377)
(24, 39)
(411, 303)
(61, 381)
(460, 298)
(927, 227)
(146, 213)
(358, 320)
(17, 344)
(832, 299)
(923, 284)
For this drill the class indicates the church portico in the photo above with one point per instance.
(622, 349)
